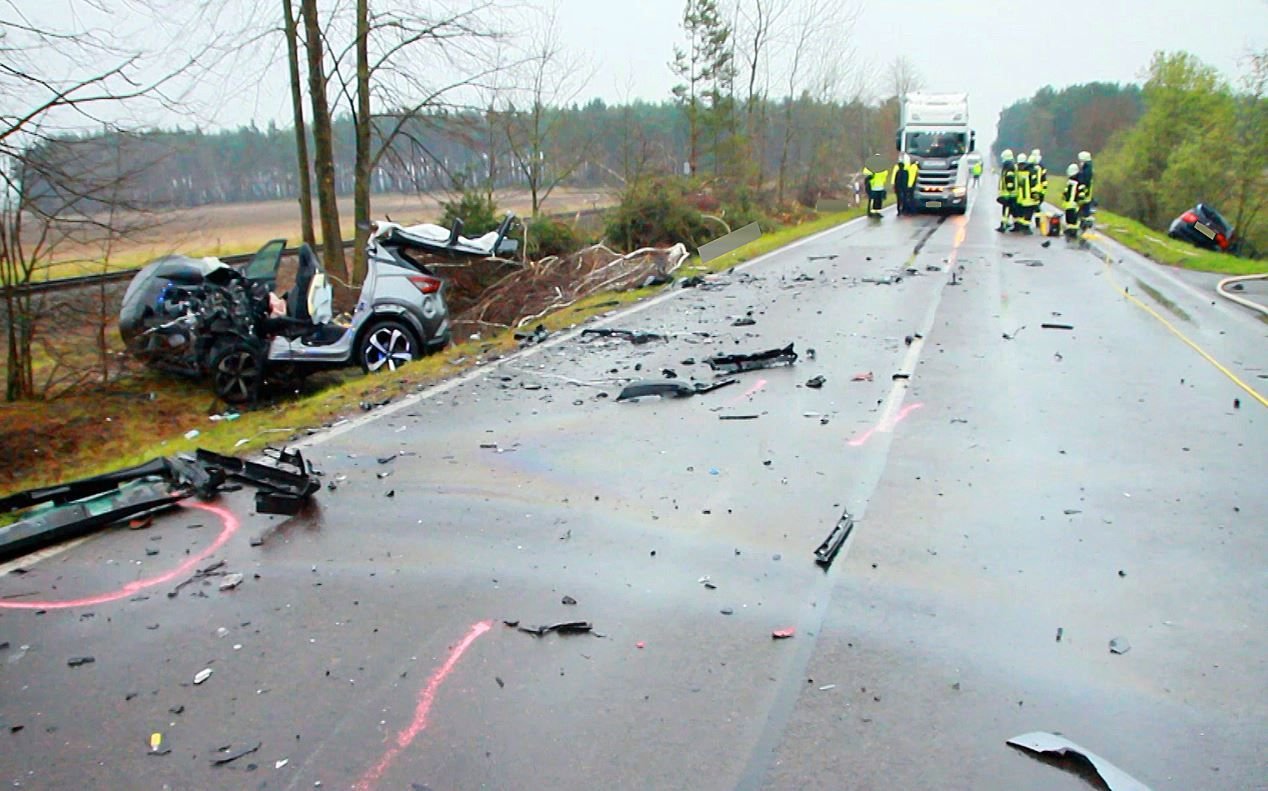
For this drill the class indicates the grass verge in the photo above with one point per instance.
(1156, 245)
(148, 415)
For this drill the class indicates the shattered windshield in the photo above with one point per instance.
(935, 144)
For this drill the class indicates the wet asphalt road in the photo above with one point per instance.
(1096, 481)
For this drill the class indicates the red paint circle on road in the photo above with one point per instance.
(231, 525)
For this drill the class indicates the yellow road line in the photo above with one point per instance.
(1174, 331)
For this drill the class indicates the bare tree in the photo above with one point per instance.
(760, 24)
(903, 77)
(552, 79)
(323, 146)
(58, 191)
(301, 133)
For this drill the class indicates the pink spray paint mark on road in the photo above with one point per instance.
(425, 700)
(752, 391)
(231, 525)
(884, 425)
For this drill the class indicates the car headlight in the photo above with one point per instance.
(957, 190)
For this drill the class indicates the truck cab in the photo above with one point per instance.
(934, 131)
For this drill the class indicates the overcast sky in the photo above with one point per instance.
(998, 52)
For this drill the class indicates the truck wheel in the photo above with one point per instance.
(237, 371)
(386, 345)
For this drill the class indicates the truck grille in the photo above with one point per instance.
(935, 179)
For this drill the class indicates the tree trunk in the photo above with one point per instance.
(301, 133)
(363, 125)
(323, 156)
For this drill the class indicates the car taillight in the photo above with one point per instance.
(425, 283)
(1221, 241)
(1189, 216)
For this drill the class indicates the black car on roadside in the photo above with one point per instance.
(1203, 226)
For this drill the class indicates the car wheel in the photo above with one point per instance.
(387, 345)
(237, 371)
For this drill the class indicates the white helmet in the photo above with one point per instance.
(1085, 156)
(1036, 156)
(1073, 170)
(1021, 158)
(1006, 155)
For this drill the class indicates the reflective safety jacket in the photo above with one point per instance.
(1039, 183)
(977, 168)
(1008, 180)
(1025, 176)
(913, 170)
(1075, 193)
(904, 174)
(875, 179)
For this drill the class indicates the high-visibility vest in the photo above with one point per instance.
(913, 170)
(1039, 184)
(977, 168)
(875, 178)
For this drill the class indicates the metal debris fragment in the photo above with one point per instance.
(1040, 742)
(816, 382)
(827, 551)
(669, 387)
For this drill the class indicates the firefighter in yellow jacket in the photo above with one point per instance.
(1038, 185)
(874, 183)
(1072, 200)
(1007, 190)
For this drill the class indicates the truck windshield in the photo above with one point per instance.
(935, 144)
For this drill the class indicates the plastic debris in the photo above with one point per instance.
(736, 363)
(1119, 645)
(1057, 326)
(636, 337)
(744, 321)
(192, 433)
(863, 376)
(783, 634)
(76, 661)
(564, 627)
(569, 601)
(231, 581)
(229, 757)
(816, 382)
(202, 675)
(674, 388)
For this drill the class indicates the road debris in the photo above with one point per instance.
(206, 571)
(736, 363)
(1060, 632)
(862, 376)
(564, 627)
(203, 675)
(816, 382)
(744, 321)
(231, 581)
(569, 601)
(738, 417)
(530, 338)
(279, 490)
(229, 757)
(1014, 333)
(900, 375)
(78, 661)
(669, 387)
(783, 634)
(1042, 743)
(1119, 645)
(636, 337)
(826, 552)
(1048, 326)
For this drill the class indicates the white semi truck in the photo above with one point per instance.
(934, 131)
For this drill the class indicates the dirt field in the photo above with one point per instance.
(225, 229)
